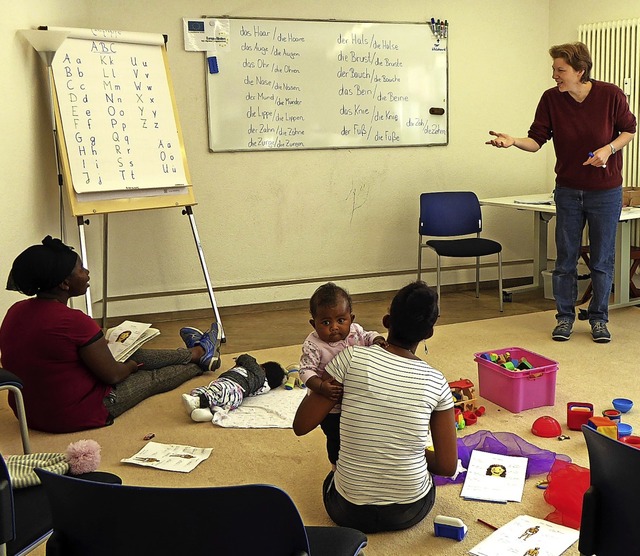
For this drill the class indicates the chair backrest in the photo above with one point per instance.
(7, 522)
(95, 519)
(25, 519)
(609, 520)
(449, 213)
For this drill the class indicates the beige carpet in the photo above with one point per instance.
(588, 372)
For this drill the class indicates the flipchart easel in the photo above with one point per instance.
(85, 170)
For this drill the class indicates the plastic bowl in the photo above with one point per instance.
(624, 429)
(631, 440)
(546, 427)
(622, 404)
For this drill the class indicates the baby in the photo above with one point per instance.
(246, 378)
(334, 330)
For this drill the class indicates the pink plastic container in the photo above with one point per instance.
(517, 390)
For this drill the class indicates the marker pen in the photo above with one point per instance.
(591, 155)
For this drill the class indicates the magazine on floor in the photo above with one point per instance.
(124, 339)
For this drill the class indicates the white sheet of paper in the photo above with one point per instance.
(495, 477)
(169, 457)
(206, 34)
(526, 535)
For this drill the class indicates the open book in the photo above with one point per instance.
(127, 337)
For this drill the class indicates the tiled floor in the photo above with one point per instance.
(251, 328)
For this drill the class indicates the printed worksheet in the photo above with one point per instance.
(494, 477)
(170, 457)
(527, 536)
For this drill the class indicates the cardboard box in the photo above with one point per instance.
(517, 390)
(631, 196)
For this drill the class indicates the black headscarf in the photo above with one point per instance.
(41, 268)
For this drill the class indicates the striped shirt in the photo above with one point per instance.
(386, 409)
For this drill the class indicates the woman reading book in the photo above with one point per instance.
(71, 380)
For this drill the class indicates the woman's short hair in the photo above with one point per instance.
(577, 55)
(328, 295)
(413, 312)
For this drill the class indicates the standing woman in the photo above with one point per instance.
(589, 122)
(392, 401)
(71, 381)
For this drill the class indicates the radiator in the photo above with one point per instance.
(615, 50)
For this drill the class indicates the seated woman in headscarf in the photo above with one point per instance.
(71, 380)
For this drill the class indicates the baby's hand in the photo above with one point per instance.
(331, 390)
(380, 341)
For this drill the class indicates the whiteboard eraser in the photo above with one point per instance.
(213, 64)
(436, 111)
(450, 527)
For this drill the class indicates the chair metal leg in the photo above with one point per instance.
(22, 418)
(500, 281)
(419, 257)
(438, 282)
(477, 277)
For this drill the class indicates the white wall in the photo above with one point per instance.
(286, 217)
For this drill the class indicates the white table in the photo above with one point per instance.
(543, 210)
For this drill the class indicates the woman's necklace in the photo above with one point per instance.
(401, 351)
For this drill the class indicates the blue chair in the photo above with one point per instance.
(241, 520)
(609, 524)
(25, 519)
(445, 217)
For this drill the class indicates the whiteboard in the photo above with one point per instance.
(118, 132)
(287, 85)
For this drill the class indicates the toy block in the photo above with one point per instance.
(604, 425)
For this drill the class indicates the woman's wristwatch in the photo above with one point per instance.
(613, 149)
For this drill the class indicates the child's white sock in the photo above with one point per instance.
(190, 402)
(201, 414)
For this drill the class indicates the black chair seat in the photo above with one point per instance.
(9, 378)
(324, 540)
(469, 247)
(32, 518)
(25, 524)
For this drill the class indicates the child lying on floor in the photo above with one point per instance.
(246, 378)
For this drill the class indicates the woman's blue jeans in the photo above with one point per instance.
(601, 211)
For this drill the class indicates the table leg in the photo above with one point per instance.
(540, 238)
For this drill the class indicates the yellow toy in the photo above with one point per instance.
(293, 378)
